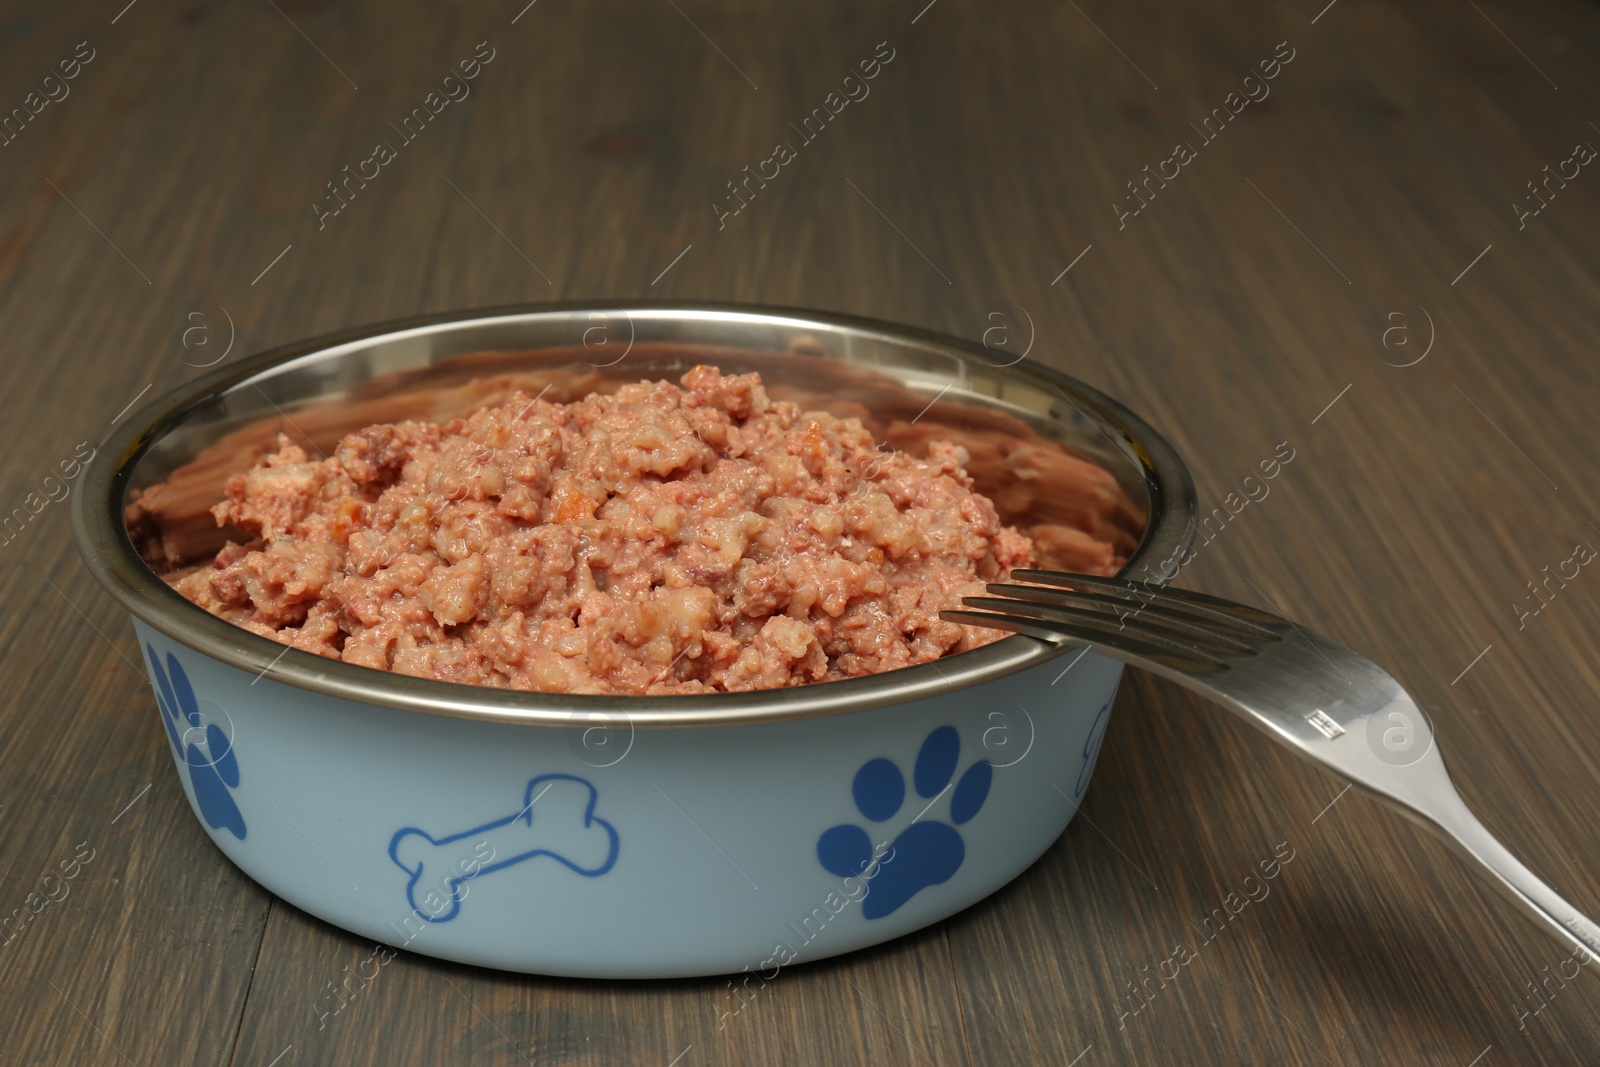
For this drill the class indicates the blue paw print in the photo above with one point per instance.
(925, 853)
(1091, 749)
(213, 768)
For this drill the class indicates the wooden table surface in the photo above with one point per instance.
(1341, 265)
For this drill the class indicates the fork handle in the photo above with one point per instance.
(1449, 817)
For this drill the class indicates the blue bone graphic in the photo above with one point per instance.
(448, 863)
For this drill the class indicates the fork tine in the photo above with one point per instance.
(1174, 650)
(1240, 638)
(1259, 622)
(1185, 661)
(1103, 613)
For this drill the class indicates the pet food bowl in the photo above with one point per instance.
(604, 836)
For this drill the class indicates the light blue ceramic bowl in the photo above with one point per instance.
(614, 837)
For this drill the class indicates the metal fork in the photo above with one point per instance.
(1312, 695)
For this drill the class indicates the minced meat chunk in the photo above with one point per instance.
(661, 539)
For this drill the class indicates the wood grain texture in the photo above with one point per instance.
(1250, 294)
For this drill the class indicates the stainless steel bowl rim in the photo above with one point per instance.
(110, 554)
